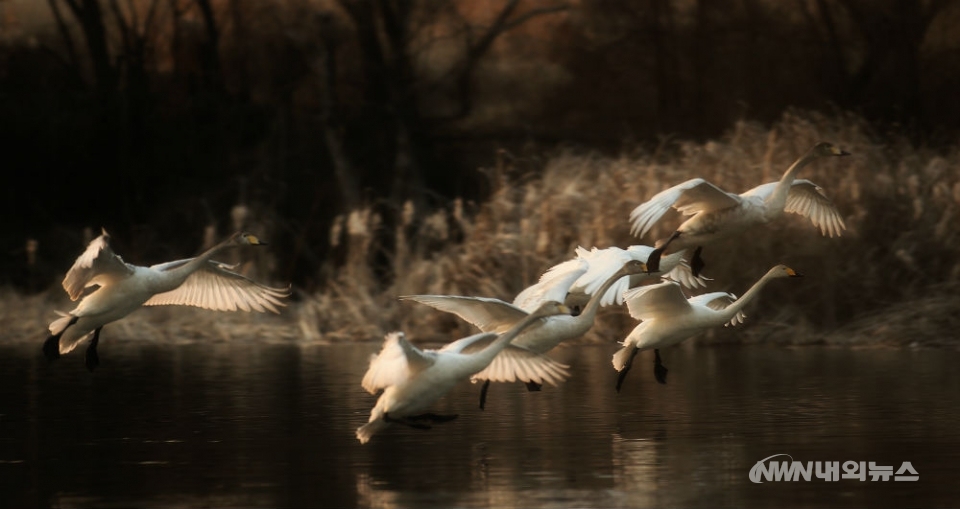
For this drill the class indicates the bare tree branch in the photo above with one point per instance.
(64, 33)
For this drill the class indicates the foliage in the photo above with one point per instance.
(900, 204)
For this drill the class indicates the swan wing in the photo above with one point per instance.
(97, 265)
(809, 200)
(683, 274)
(690, 197)
(512, 363)
(397, 362)
(487, 314)
(602, 265)
(470, 344)
(554, 283)
(718, 301)
(515, 363)
(656, 301)
(215, 286)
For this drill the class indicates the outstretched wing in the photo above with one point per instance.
(98, 265)
(682, 273)
(397, 361)
(656, 301)
(808, 200)
(487, 314)
(603, 264)
(554, 284)
(214, 286)
(512, 363)
(718, 301)
(693, 196)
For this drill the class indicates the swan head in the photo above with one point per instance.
(784, 271)
(247, 239)
(824, 149)
(550, 308)
(633, 267)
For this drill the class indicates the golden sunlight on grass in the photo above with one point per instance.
(891, 278)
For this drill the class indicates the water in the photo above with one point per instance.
(272, 425)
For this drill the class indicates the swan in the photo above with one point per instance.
(669, 318)
(413, 379)
(495, 315)
(718, 214)
(601, 264)
(124, 288)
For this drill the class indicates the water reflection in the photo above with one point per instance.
(264, 425)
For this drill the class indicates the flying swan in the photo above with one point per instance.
(495, 315)
(718, 214)
(124, 288)
(601, 265)
(413, 379)
(669, 318)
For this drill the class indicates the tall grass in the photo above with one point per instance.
(892, 277)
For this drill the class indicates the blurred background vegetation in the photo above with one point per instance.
(463, 146)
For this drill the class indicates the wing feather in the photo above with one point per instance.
(97, 265)
(690, 197)
(666, 298)
(487, 314)
(214, 286)
(397, 362)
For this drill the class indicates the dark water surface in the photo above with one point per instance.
(272, 425)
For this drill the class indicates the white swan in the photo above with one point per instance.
(413, 379)
(601, 265)
(124, 288)
(718, 214)
(494, 315)
(669, 318)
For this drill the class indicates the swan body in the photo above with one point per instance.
(601, 265)
(413, 379)
(717, 214)
(494, 315)
(668, 317)
(123, 288)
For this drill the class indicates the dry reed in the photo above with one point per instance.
(892, 278)
(896, 260)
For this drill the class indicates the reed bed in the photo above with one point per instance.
(891, 279)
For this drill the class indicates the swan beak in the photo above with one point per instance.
(793, 273)
(254, 240)
(564, 309)
(840, 152)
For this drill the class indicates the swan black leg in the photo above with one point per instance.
(483, 393)
(432, 417)
(91, 359)
(533, 386)
(696, 263)
(653, 261)
(51, 347)
(626, 368)
(405, 422)
(659, 370)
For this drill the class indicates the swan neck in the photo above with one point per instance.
(744, 299)
(195, 263)
(779, 196)
(507, 337)
(593, 305)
